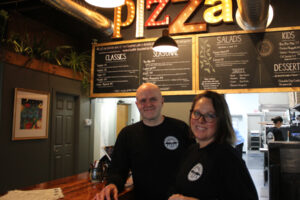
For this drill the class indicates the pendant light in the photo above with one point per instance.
(165, 43)
(106, 3)
(254, 14)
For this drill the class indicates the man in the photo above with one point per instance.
(274, 133)
(150, 149)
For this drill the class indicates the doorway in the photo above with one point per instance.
(122, 116)
(255, 131)
(63, 135)
(110, 116)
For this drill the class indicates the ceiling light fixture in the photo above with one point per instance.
(165, 43)
(106, 3)
(254, 14)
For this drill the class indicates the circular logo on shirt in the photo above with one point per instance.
(195, 172)
(171, 142)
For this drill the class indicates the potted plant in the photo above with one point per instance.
(61, 61)
(3, 23)
(79, 62)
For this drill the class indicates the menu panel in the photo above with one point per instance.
(121, 68)
(252, 60)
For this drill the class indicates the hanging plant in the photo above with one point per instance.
(38, 48)
(64, 55)
(79, 62)
(3, 23)
(56, 55)
(20, 45)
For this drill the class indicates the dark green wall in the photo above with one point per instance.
(1, 77)
(27, 162)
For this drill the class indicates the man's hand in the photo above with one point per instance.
(107, 192)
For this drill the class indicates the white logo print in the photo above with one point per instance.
(195, 172)
(171, 142)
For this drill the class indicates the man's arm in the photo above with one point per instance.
(119, 168)
(117, 171)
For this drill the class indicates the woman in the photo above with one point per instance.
(275, 133)
(212, 168)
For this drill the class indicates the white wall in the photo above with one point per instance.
(274, 98)
(105, 122)
(106, 112)
(178, 110)
(241, 105)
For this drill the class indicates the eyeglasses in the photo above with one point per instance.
(208, 117)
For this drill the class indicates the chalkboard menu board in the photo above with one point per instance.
(268, 59)
(121, 68)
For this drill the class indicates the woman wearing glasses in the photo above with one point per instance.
(212, 168)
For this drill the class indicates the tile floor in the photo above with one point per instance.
(255, 163)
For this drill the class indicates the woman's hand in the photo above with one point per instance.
(107, 192)
(181, 197)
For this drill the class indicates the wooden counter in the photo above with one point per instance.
(79, 187)
(284, 170)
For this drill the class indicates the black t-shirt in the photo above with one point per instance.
(214, 172)
(277, 133)
(152, 154)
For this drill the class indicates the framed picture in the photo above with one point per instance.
(31, 114)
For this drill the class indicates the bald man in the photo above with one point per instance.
(151, 149)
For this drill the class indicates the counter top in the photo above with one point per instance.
(79, 187)
(284, 144)
(265, 149)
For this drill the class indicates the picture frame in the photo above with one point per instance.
(31, 114)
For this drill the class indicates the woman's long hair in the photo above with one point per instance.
(225, 132)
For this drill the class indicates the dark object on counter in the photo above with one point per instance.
(98, 171)
(104, 163)
(109, 150)
(284, 170)
(297, 107)
(94, 174)
(295, 133)
(295, 137)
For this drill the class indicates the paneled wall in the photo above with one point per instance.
(27, 162)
